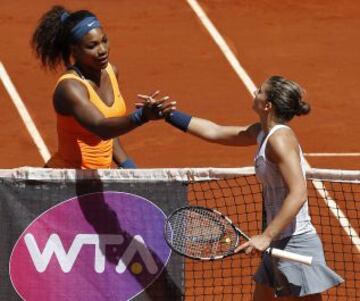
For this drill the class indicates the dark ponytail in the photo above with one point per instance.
(48, 40)
(51, 39)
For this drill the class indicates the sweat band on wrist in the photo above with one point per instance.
(179, 120)
(138, 117)
(128, 164)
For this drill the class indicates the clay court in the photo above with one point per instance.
(162, 44)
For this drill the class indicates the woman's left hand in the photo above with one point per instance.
(256, 245)
(154, 108)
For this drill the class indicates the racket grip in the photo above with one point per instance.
(289, 256)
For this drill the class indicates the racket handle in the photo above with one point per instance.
(289, 256)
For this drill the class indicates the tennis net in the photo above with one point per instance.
(334, 202)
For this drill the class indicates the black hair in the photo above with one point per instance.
(287, 98)
(51, 38)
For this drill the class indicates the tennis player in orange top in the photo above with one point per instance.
(90, 110)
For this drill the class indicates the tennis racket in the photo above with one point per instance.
(206, 234)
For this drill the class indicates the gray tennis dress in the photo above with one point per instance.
(287, 277)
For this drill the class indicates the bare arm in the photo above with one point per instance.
(119, 153)
(226, 135)
(283, 150)
(71, 98)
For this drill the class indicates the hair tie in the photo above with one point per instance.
(64, 16)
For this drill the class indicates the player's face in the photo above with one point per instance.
(260, 101)
(93, 49)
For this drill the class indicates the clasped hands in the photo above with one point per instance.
(154, 108)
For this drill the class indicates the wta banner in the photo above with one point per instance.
(87, 235)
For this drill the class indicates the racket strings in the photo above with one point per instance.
(200, 233)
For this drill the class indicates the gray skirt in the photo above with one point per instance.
(289, 278)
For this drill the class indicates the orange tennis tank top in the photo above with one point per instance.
(78, 147)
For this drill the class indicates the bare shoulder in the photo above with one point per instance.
(248, 135)
(284, 134)
(68, 93)
(70, 88)
(281, 144)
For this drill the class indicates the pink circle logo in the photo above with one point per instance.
(100, 246)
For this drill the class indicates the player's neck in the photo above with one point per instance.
(90, 74)
(267, 123)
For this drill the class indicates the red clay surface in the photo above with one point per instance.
(162, 45)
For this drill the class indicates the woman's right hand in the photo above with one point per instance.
(154, 108)
(256, 245)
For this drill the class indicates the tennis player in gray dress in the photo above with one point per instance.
(280, 167)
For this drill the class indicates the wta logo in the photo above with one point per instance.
(100, 246)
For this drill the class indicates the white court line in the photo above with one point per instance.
(214, 33)
(338, 213)
(332, 154)
(219, 40)
(24, 114)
